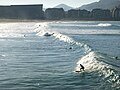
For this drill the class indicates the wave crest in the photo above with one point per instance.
(104, 24)
(93, 63)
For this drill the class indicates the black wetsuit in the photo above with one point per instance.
(82, 67)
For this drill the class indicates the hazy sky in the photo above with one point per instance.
(48, 3)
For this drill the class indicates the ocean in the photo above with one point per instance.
(46, 55)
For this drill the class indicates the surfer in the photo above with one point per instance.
(116, 58)
(24, 35)
(81, 67)
(70, 48)
(48, 34)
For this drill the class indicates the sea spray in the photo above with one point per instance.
(93, 63)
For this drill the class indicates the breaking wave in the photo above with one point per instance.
(93, 61)
(104, 24)
(61, 37)
(107, 25)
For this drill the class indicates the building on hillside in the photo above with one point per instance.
(116, 13)
(100, 14)
(54, 13)
(22, 12)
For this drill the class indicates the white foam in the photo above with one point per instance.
(104, 24)
(92, 63)
(3, 55)
(45, 28)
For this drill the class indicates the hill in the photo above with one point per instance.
(64, 6)
(103, 4)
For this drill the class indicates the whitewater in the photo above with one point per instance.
(46, 55)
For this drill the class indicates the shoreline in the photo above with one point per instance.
(35, 20)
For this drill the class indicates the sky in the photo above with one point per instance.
(48, 3)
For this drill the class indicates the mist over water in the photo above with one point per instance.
(46, 55)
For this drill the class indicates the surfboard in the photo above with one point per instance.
(77, 71)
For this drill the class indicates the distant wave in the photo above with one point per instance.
(108, 25)
(14, 30)
(49, 27)
(11, 35)
(104, 24)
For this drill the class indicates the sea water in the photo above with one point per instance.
(30, 60)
